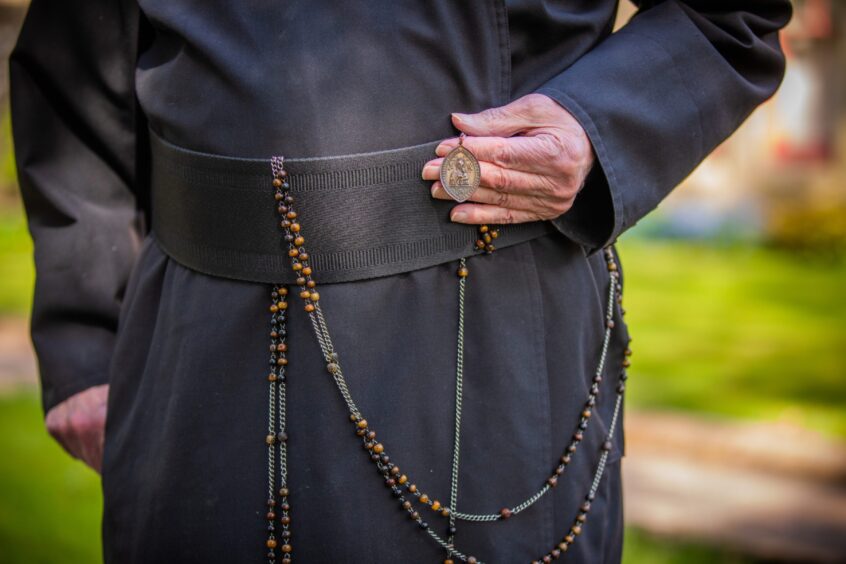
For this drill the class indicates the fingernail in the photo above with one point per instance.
(459, 216)
(459, 118)
(433, 190)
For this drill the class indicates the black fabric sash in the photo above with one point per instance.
(363, 215)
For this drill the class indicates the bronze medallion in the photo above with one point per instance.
(460, 173)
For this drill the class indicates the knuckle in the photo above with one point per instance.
(503, 199)
(508, 216)
(501, 180)
(502, 153)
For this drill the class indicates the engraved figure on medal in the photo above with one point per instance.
(460, 173)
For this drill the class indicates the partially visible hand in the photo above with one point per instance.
(78, 424)
(534, 157)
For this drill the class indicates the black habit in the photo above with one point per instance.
(185, 352)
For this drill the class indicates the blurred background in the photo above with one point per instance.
(736, 300)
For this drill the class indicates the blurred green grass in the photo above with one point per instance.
(740, 331)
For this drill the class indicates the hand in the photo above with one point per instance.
(533, 155)
(78, 424)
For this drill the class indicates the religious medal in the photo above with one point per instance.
(460, 173)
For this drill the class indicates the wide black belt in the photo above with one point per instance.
(368, 214)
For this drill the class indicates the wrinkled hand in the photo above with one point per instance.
(78, 424)
(533, 155)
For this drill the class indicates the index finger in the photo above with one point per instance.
(536, 154)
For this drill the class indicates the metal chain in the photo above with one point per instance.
(459, 394)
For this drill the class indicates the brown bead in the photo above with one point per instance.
(287, 548)
(282, 305)
(271, 543)
(463, 272)
(483, 229)
(505, 513)
(445, 512)
(480, 244)
(627, 362)
(378, 448)
(494, 234)
(552, 481)
(285, 520)
(362, 423)
(586, 414)
(299, 240)
(562, 546)
(406, 505)
(311, 284)
(291, 215)
(307, 270)
(412, 488)
(314, 296)
(277, 183)
(487, 238)
(403, 479)
(283, 173)
(577, 529)
(436, 505)
(281, 347)
(472, 560)
(490, 248)
(304, 256)
(283, 291)
(569, 539)
(274, 308)
(295, 227)
(581, 517)
(271, 377)
(278, 196)
(628, 352)
(283, 492)
(448, 561)
(612, 266)
(297, 266)
(309, 308)
(271, 515)
(424, 498)
(270, 439)
(293, 252)
(547, 559)
(301, 281)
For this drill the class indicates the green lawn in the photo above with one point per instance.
(737, 331)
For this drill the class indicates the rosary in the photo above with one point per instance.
(460, 176)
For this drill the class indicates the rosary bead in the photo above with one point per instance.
(480, 244)
(565, 459)
(283, 492)
(271, 377)
(436, 505)
(490, 248)
(472, 560)
(577, 530)
(569, 539)
(612, 266)
(271, 502)
(448, 561)
(282, 305)
(552, 481)
(463, 272)
(406, 505)
(297, 266)
(282, 437)
(547, 559)
(586, 414)
(271, 543)
(299, 240)
(295, 227)
(415, 515)
(271, 515)
(505, 513)
(371, 435)
(610, 324)
(286, 534)
(585, 507)
(581, 518)
(282, 347)
(445, 512)
(289, 237)
(495, 233)
(483, 229)
(309, 308)
(307, 269)
(402, 479)
(283, 291)
(606, 446)
(378, 448)
(270, 439)
(424, 498)
(287, 548)
(291, 214)
(285, 520)
(304, 255)
(278, 195)
(412, 488)
(362, 423)
(301, 281)
(314, 296)
(395, 470)
(628, 352)
(311, 284)
(305, 294)
(556, 553)
(487, 238)
(562, 546)
(627, 362)
(274, 308)
(390, 482)
(289, 199)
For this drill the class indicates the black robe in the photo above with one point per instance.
(184, 474)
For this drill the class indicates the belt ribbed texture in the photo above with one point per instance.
(363, 215)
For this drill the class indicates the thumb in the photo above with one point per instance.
(503, 121)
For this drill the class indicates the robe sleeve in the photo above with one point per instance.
(74, 123)
(657, 96)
